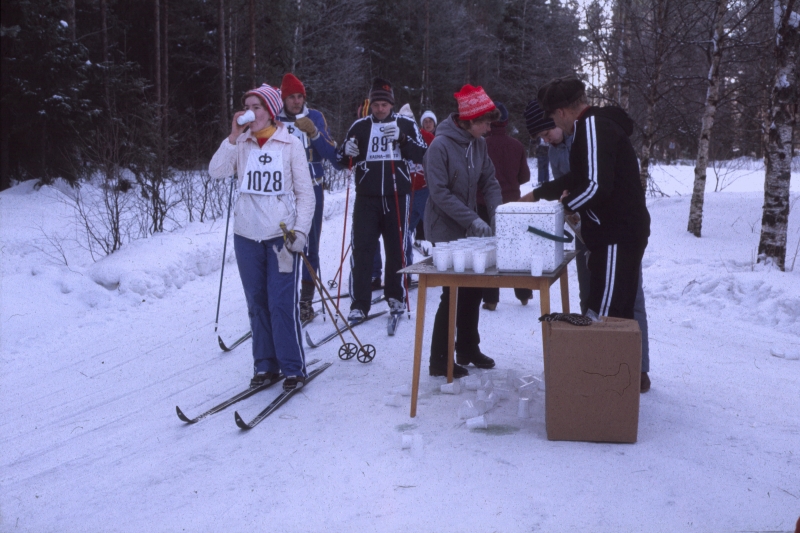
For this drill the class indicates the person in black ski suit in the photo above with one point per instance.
(604, 186)
(377, 146)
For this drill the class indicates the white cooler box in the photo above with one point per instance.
(516, 245)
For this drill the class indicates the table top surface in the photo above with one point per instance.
(425, 267)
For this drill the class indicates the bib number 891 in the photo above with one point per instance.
(260, 181)
(380, 144)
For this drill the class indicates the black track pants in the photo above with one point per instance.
(614, 279)
(373, 217)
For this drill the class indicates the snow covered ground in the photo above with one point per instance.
(95, 356)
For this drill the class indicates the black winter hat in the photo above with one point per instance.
(559, 93)
(381, 90)
(503, 113)
(535, 120)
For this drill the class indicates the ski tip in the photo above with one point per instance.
(222, 344)
(239, 422)
(182, 416)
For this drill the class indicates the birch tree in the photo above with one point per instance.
(779, 150)
(712, 99)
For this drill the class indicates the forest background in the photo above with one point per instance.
(137, 93)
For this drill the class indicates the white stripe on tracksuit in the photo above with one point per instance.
(298, 328)
(591, 149)
(611, 266)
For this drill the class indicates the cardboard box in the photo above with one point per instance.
(516, 245)
(592, 377)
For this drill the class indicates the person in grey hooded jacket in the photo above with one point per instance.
(457, 165)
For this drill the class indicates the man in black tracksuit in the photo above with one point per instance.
(377, 147)
(604, 186)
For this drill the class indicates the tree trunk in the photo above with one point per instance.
(712, 99)
(783, 99)
(659, 24)
(623, 47)
(165, 86)
(253, 43)
(647, 132)
(104, 32)
(157, 59)
(224, 123)
(71, 20)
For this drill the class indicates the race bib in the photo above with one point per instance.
(297, 132)
(264, 173)
(382, 148)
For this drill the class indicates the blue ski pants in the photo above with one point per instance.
(272, 305)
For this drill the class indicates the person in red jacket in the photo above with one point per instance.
(511, 170)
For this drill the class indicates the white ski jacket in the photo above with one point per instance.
(291, 199)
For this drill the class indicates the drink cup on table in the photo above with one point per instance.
(459, 260)
(537, 262)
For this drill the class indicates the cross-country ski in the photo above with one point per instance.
(277, 402)
(250, 391)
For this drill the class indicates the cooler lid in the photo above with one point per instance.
(541, 207)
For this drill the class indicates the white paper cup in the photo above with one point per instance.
(479, 422)
(468, 410)
(247, 118)
(451, 388)
(471, 382)
(393, 400)
(459, 260)
(402, 390)
(536, 265)
(524, 408)
(440, 258)
(479, 261)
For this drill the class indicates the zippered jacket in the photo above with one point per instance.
(457, 166)
(373, 164)
(292, 199)
(317, 150)
(603, 181)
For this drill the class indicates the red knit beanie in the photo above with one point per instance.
(473, 102)
(291, 85)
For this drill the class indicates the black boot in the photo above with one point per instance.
(438, 367)
(476, 358)
(306, 296)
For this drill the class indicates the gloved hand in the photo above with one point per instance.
(306, 125)
(299, 243)
(351, 148)
(479, 228)
(285, 259)
(391, 131)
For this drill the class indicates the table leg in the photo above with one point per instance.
(451, 327)
(420, 332)
(564, 279)
(544, 299)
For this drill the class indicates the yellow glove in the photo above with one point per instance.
(306, 125)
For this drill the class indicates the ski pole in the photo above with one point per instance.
(332, 282)
(224, 251)
(344, 229)
(348, 350)
(402, 243)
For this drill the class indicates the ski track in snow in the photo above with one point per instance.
(95, 356)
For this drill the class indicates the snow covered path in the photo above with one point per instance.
(90, 375)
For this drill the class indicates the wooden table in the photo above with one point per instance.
(430, 277)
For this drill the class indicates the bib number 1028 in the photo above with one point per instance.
(266, 181)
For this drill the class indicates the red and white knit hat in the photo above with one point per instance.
(473, 102)
(270, 96)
